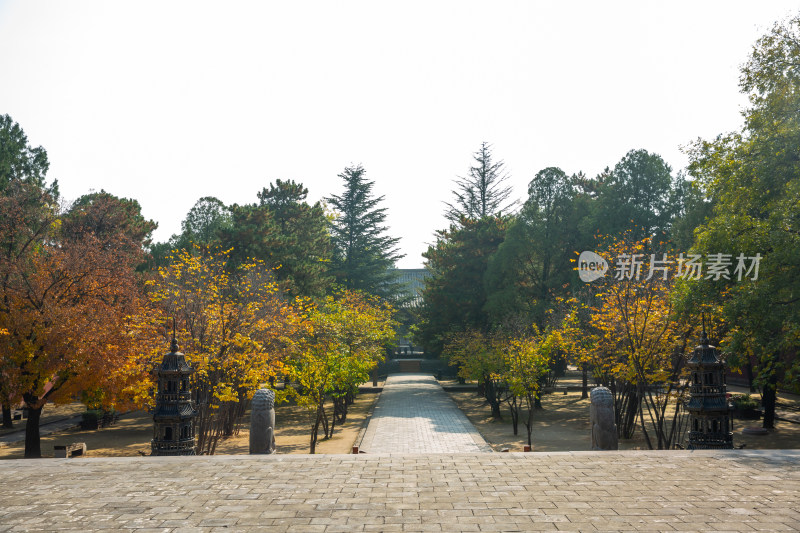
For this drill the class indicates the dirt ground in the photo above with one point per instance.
(130, 436)
(563, 425)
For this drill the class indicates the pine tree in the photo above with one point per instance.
(363, 255)
(483, 192)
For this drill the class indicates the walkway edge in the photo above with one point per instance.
(365, 422)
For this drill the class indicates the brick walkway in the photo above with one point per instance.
(733, 490)
(414, 415)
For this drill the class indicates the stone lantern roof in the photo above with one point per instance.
(174, 361)
(704, 354)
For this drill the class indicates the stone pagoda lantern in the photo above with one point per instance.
(710, 424)
(173, 419)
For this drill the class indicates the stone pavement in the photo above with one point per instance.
(414, 415)
(732, 490)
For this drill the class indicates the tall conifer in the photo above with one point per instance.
(363, 255)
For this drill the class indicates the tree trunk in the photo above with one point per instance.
(529, 421)
(769, 397)
(7, 421)
(585, 384)
(514, 406)
(749, 369)
(33, 442)
(315, 431)
(490, 393)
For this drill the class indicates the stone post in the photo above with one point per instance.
(601, 415)
(262, 422)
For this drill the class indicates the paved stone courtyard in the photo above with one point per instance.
(414, 415)
(579, 491)
(433, 485)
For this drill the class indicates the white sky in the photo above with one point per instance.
(166, 102)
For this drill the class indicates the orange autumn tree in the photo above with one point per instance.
(640, 342)
(234, 326)
(68, 292)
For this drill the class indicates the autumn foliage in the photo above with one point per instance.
(67, 303)
(235, 327)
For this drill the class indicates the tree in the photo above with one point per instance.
(363, 255)
(66, 304)
(204, 221)
(303, 248)
(527, 359)
(752, 179)
(19, 162)
(641, 341)
(454, 297)
(528, 271)
(483, 192)
(234, 327)
(114, 221)
(25, 199)
(345, 340)
(479, 357)
(28, 217)
(636, 196)
(67, 289)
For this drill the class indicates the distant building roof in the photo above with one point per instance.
(413, 281)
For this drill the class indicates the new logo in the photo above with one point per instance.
(591, 266)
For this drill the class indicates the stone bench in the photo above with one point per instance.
(64, 451)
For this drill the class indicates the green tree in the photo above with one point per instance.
(203, 226)
(479, 357)
(19, 162)
(345, 341)
(636, 196)
(114, 221)
(531, 266)
(526, 360)
(454, 297)
(483, 192)
(363, 255)
(303, 248)
(752, 178)
(204, 221)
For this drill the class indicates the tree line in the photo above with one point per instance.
(282, 287)
(274, 288)
(718, 243)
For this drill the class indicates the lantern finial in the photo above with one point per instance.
(174, 346)
(704, 337)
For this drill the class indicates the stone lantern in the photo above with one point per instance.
(710, 424)
(173, 419)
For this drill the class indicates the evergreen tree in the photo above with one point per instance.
(532, 265)
(636, 196)
(482, 192)
(454, 297)
(204, 221)
(363, 255)
(303, 247)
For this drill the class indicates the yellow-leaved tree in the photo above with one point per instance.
(641, 343)
(234, 326)
(526, 361)
(345, 339)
